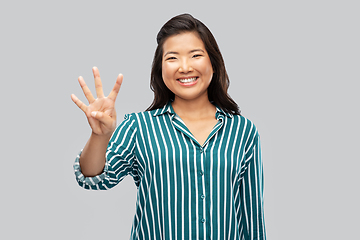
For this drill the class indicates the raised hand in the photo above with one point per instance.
(100, 112)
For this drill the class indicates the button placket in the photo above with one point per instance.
(201, 195)
(201, 171)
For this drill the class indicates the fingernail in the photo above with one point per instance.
(93, 114)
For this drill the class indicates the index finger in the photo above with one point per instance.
(79, 103)
(114, 92)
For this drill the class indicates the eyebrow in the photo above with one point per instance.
(194, 50)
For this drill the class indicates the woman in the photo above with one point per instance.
(195, 160)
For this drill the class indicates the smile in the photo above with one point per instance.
(187, 80)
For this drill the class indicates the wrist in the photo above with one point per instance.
(101, 137)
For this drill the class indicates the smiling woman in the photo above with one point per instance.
(195, 160)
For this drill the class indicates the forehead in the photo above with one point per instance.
(183, 42)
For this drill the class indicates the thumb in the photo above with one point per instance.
(103, 118)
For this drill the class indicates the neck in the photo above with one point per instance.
(193, 109)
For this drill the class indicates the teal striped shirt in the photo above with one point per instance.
(185, 190)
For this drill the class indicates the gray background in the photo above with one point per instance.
(294, 71)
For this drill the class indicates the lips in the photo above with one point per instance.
(187, 80)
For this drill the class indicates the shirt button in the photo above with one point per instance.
(202, 196)
(203, 220)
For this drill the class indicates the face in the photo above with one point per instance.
(186, 66)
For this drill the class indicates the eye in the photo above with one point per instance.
(171, 58)
(197, 56)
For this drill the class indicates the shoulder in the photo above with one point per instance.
(144, 121)
(245, 124)
(246, 129)
(143, 116)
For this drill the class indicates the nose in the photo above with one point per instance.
(185, 66)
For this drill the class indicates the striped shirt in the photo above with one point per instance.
(187, 190)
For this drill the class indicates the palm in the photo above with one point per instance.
(102, 105)
(104, 122)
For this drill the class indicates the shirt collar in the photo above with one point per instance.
(222, 112)
(168, 108)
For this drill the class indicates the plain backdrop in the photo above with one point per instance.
(294, 71)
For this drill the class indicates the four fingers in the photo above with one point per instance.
(99, 90)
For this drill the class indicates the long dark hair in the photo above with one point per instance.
(217, 90)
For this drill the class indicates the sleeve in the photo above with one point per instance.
(120, 158)
(251, 188)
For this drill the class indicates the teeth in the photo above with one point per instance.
(187, 80)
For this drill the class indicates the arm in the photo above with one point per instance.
(252, 194)
(101, 116)
(120, 159)
(92, 160)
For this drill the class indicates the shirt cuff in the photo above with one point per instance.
(87, 182)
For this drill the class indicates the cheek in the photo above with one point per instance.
(165, 71)
(204, 66)
(209, 67)
(208, 71)
(166, 76)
